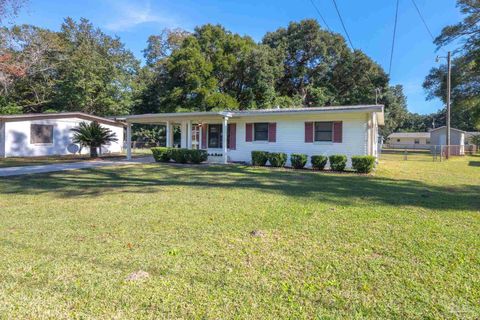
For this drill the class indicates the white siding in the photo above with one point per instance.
(2, 140)
(17, 138)
(291, 137)
(409, 142)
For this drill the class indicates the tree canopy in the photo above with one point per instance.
(77, 69)
(465, 68)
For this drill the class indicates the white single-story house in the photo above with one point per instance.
(47, 134)
(420, 140)
(348, 130)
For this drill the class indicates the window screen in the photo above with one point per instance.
(261, 132)
(41, 133)
(323, 131)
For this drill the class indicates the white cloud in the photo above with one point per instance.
(133, 14)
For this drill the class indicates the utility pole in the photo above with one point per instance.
(449, 89)
(449, 74)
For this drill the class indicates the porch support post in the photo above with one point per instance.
(200, 133)
(167, 134)
(224, 139)
(189, 134)
(183, 134)
(129, 141)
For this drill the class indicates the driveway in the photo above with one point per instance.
(15, 171)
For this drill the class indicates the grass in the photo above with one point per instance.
(404, 243)
(35, 161)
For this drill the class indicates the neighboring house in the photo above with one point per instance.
(427, 140)
(419, 140)
(348, 130)
(47, 134)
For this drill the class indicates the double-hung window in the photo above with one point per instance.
(324, 131)
(260, 131)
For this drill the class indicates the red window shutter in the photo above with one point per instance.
(232, 135)
(248, 132)
(337, 131)
(204, 136)
(272, 132)
(308, 132)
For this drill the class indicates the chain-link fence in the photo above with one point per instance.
(425, 153)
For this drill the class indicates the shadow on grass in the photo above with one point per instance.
(474, 163)
(339, 189)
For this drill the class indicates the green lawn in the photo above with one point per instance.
(404, 243)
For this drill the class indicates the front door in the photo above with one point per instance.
(195, 137)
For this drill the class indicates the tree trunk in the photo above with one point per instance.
(93, 152)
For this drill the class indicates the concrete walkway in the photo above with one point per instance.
(15, 171)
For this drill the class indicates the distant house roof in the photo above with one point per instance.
(410, 135)
(60, 115)
(444, 127)
(147, 118)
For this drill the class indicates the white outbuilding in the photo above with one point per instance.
(49, 134)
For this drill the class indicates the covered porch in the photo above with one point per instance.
(193, 131)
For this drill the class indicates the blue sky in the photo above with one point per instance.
(369, 22)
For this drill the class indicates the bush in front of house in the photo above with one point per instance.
(259, 158)
(180, 155)
(318, 162)
(198, 156)
(161, 154)
(298, 160)
(338, 162)
(277, 159)
(363, 164)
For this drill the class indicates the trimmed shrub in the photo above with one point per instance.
(161, 154)
(363, 164)
(180, 155)
(259, 158)
(277, 159)
(198, 156)
(298, 160)
(338, 162)
(318, 162)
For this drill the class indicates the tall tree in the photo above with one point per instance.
(97, 73)
(320, 69)
(213, 69)
(465, 68)
(28, 78)
(396, 112)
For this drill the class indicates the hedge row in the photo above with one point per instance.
(338, 162)
(162, 154)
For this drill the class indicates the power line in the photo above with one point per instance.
(321, 17)
(393, 39)
(423, 20)
(343, 24)
(351, 44)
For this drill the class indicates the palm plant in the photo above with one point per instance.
(92, 135)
